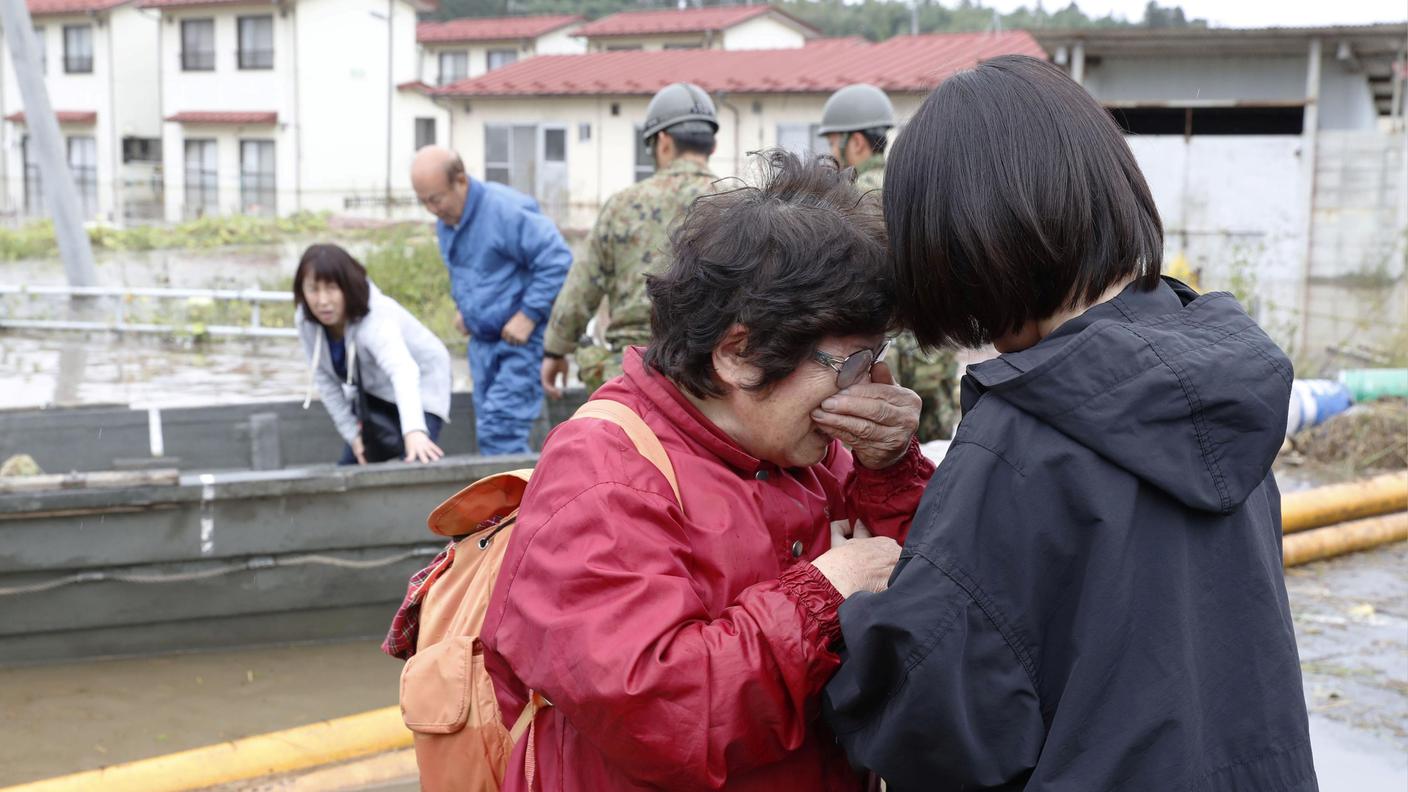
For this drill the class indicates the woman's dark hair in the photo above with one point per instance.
(332, 264)
(799, 258)
(1010, 195)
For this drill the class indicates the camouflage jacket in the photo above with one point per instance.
(870, 175)
(629, 241)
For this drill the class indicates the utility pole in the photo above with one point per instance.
(59, 190)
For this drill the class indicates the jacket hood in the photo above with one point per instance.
(1184, 391)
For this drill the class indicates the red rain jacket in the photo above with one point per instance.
(680, 651)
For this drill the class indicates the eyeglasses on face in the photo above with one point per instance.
(851, 368)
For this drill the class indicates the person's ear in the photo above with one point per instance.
(731, 365)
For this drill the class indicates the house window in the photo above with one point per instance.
(202, 183)
(645, 161)
(138, 149)
(454, 66)
(257, 193)
(692, 46)
(83, 163)
(41, 48)
(499, 58)
(33, 187)
(624, 47)
(1190, 121)
(197, 45)
(584, 133)
(801, 139)
(256, 35)
(78, 49)
(425, 133)
(510, 155)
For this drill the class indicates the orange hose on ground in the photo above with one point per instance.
(1341, 502)
(1336, 540)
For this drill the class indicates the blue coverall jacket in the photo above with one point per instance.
(504, 256)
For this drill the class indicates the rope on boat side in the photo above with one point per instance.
(251, 564)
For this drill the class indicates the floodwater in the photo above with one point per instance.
(1349, 617)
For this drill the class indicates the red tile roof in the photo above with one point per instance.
(65, 117)
(232, 118)
(493, 28)
(903, 63)
(690, 20)
(54, 7)
(419, 86)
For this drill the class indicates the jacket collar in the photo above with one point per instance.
(472, 201)
(666, 397)
(685, 166)
(873, 162)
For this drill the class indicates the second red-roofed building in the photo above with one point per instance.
(458, 49)
(566, 129)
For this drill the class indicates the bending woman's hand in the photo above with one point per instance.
(876, 419)
(420, 448)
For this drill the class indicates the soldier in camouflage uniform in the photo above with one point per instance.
(631, 240)
(855, 122)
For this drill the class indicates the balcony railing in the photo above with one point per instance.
(198, 60)
(256, 58)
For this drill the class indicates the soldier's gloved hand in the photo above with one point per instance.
(554, 372)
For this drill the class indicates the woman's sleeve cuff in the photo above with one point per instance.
(818, 598)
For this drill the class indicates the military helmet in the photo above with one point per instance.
(857, 107)
(679, 103)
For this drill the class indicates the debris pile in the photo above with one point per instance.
(1368, 437)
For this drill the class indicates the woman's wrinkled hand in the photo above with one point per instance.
(860, 564)
(876, 419)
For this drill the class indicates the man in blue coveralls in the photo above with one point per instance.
(507, 262)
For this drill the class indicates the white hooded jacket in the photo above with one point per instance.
(401, 360)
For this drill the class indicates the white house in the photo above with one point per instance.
(462, 48)
(744, 27)
(566, 129)
(278, 106)
(106, 102)
(1277, 157)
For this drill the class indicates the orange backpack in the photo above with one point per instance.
(447, 697)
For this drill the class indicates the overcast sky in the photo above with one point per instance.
(1243, 13)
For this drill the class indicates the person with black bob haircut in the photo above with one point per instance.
(632, 605)
(382, 375)
(1091, 595)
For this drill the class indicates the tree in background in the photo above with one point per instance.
(875, 20)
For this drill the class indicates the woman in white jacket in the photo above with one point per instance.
(349, 329)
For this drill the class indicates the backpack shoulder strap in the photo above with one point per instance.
(640, 433)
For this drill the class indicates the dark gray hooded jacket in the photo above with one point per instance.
(1091, 596)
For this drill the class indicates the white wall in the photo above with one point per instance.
(654, 43)
(606, 163)
(763, 32)
(561, 42)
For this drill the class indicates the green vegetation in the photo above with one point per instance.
(873, 19)
(36, 240)
(407, 268)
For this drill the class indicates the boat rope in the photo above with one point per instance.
(251, 564)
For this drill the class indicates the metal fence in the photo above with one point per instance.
(119, 323)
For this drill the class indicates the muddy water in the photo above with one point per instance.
(66, 718)
(1349, 617)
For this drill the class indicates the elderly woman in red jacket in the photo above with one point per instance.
(686, 647)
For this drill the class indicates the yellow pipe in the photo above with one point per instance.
(285, 751)
(1341, 502)
(1307, 546)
